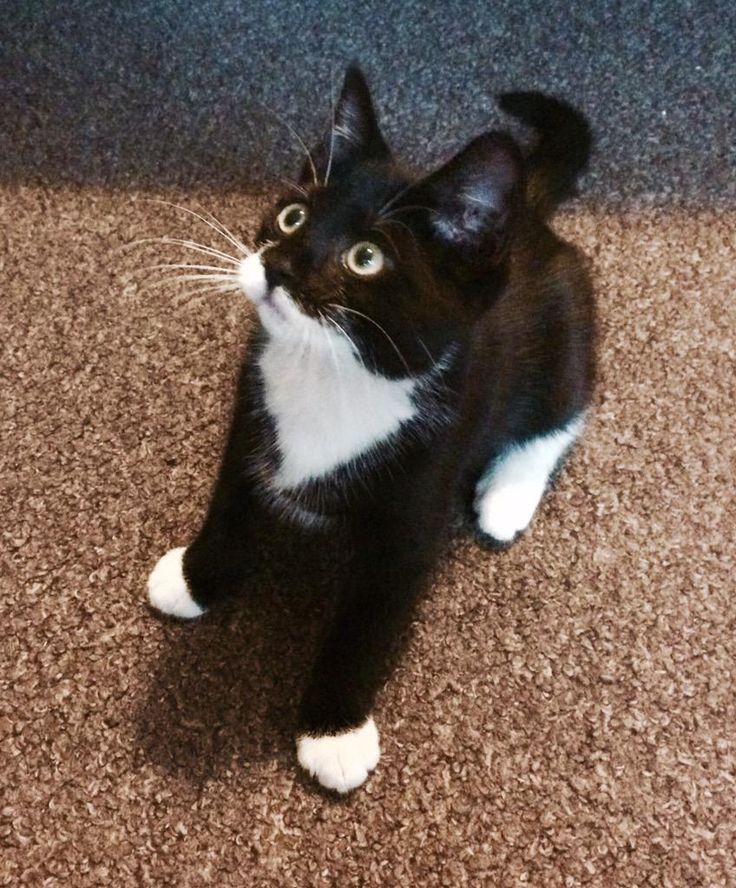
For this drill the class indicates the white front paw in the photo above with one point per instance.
(341, 761)
(506, 511)
(168, 590)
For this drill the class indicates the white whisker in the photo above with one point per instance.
(190, 244)
(338, 371)
(227, 283)
(222, 278)
(427, 352)
(218, 228)
(376, 324)
(378, 225)
(164, 266)
(406, 209)
(388, 221)
(298, 188)
(296, 136)
(190, 295)
(226, 232)
(397, 196)
(347, 336)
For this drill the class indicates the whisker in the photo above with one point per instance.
(326, 334)
(164, 266)
(389, 221)
(407, 208)
(298, 188)
(226, 282)
(388, 237)
(397, 196)
(223, 278)
(347, 336)
(385, 333)
(427, 352)
(226, 231)
(191, 295)
(296, 136)
(227, 235)
(190, 244)
(196, 290)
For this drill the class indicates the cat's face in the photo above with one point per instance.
(400, 268)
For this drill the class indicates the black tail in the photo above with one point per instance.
(562, 151)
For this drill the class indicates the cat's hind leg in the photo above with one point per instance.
(508, 493)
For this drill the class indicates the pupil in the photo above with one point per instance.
(294, 217)
(365, 256)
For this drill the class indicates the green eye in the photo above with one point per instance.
(364, 259)
(291, 218)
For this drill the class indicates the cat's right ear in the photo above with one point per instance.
(353, 135)
(474, 198)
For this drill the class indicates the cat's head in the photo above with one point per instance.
(396, 267)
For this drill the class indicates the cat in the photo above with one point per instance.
(424, 347)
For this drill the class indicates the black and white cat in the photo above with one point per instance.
(425, 345)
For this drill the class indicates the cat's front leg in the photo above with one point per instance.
(338, 740)
(186, 582)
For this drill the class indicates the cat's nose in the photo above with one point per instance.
(279, 271)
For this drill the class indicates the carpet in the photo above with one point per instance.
(564, 714)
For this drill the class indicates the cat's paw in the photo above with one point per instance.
(341, 761)
(167, 589)
(504, 513)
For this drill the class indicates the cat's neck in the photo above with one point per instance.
(327, 407)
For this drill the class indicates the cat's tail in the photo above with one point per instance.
(562, 151)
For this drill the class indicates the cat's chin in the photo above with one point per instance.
(276, 309)
(282, 319)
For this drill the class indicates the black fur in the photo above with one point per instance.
(474, 279)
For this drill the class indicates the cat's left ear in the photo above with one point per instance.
(353, 135)
(474, 199)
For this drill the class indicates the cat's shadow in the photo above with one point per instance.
(225, 689)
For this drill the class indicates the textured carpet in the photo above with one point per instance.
(565, 712)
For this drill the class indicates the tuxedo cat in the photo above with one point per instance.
(424, 345)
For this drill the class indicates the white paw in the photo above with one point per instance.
(167, 588)
(341, 761)
(505, 511)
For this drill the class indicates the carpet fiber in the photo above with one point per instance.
(564, 714)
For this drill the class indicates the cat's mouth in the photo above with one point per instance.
(278, 309)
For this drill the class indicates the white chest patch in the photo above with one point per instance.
(327, 407)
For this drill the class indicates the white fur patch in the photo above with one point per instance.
(252, 278)
(277, 311)
(508, 496)
(327, 407)
(341, 761)
(167, 588)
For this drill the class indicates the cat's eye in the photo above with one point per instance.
(364, 259)
(292, 217)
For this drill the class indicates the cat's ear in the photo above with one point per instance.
(353, 133)
(473, 199)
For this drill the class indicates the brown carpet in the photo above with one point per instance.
(565, 713)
